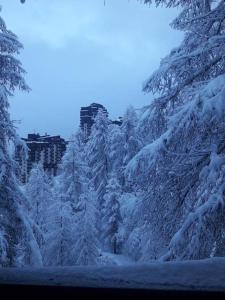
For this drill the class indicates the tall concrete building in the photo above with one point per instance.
(87, 115)
(45, 149)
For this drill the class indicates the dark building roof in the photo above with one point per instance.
(36, 137)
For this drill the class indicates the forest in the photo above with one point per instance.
(150, 189)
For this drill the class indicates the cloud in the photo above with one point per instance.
(77, 52)
(51, 22)
(56, 23)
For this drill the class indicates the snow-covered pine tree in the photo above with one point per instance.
(73, 170)
(123, 144)
(128, 128)
(39, 194)
(97, 155)
(62, 214)
(151, 123)
(60, 234)
(203, 230)
(86, 247)
(18, 245)
(132, 143)
(116, 152)
(111, 216)
(190, 83)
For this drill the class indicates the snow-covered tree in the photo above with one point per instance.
(132, 143)
(190, 83)
(151, 124)
(60, 235)
(97, 155)
(123, 144)
(200, 56)
(73, 170)
(63, 213)
(86, 248)
(116, 152)
(202, 228)
(111, 216)
(39, 194)
(18, 245)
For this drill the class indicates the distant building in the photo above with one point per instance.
(118, 121)
(87, 115)
(46, 149)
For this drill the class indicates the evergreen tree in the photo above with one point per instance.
(116, 152)
(97, 155)
(112, 218)
(60, 235)
(39, 194)
(190, 82)
(17, 243)
(73, 170)
(86, 248)
(63, 213)
(123, 144)
(131, 142)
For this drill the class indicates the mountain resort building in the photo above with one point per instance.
(46, 149)
(87, 115)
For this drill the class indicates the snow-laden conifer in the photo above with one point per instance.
(17, 243)
(116, 152)
(73, 170)
(97, 155)
(86, 247)
(60, 234)
(111, 216)
(190, 84)
(38, 192)
(129, 130)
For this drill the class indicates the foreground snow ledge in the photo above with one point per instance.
(206, 274)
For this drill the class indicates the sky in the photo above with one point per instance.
(77, 52)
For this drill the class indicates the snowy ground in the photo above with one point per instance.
(192, 275)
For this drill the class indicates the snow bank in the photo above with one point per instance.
(206, 274)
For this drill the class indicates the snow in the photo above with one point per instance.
(151, 188)
(206, 274)
(213, 96)
(117, 259)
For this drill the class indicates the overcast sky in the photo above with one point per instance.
(77, 52)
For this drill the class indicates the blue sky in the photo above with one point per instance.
(77, 52)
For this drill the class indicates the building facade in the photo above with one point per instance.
(87, 115)
(46, 149)
(118, 121)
